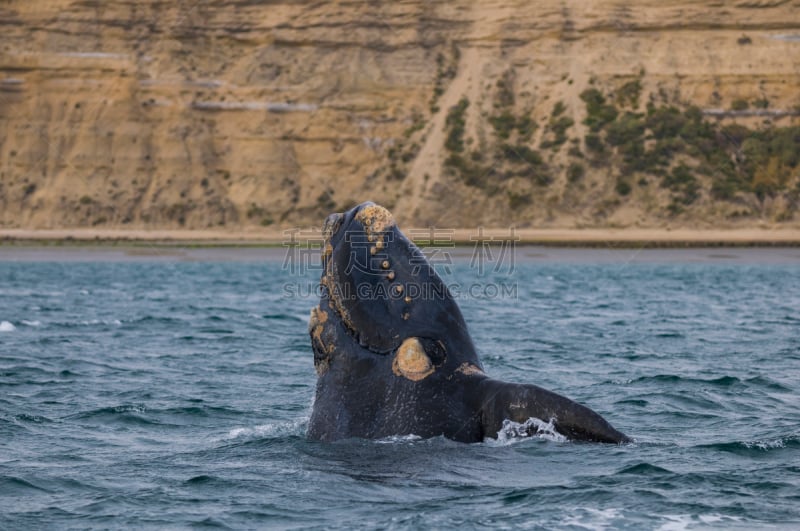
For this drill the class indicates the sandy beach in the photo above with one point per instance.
(441, 237)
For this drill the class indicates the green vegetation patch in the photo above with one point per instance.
(685, 187)
(503, 124)
(557, 127)
(736, 158)
(518, 200)
(629, 93)
(445, 72)
(521, 153)
(575, 172)
(599, 113)
(455, 124)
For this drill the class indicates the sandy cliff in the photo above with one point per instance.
(144, 113)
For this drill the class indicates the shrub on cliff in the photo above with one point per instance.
(599, 113)
(455, 123)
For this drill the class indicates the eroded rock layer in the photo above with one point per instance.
(142, 113)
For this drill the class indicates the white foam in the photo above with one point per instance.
(32, 323)
(129, 408)
(676, 522)
(394, 439)
(679, 522)
(766, 445)
(115, 322)
(5, 326)
(513, 432)
(589, 518)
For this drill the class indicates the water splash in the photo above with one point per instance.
(6, 326)
(395, 439)
(512, 432)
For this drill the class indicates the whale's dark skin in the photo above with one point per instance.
(393, 354)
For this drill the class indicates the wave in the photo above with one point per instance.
(207, 480)
(692, 521)
(16, 485)
(6, 326)
(157, 319)
(722, 381)
(20, 375)
(216, 309)
(756, 446)
(129, 408)
(670, 335)
(35, 419)
(200, 411)
(768, 383)
(126, 414)
(697, 404)
(143, 415)
(146, 320)
(591, 518)
(276, 430)
(638, 402)
(87, 323)
(211, 330)
(283, 317)
(644, 469)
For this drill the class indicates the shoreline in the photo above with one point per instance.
(438, 237)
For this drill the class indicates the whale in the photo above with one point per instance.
(393, 355)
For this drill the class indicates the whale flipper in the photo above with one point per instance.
(501, 401)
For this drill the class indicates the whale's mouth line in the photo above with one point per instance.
(375, 228)
(330, 280)
(334, 297)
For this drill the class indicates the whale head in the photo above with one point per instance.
(384, 291)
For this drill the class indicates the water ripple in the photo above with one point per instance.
(176, 394)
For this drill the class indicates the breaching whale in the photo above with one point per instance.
(393, 355)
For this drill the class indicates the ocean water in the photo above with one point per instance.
(171, 388)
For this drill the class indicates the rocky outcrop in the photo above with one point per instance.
(135, 114)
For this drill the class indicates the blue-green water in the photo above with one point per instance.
(173, 391)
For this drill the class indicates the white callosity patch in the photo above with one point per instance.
(411, 360)
(375, 219)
